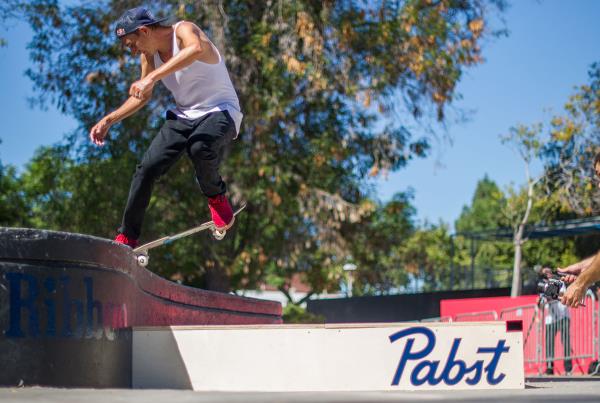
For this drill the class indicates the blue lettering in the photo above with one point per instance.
(50, 285)
(453, 362)
(45, 306)
(18, 303)
(491, 367)
(425, 370)
(477, 377)
(68, 304)
(408, 354)
(429, 377)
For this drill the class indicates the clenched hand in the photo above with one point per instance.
(99, 132)
(141, 89)
(574, 295)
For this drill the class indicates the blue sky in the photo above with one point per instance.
(526, 76)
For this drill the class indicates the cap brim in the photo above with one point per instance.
(158, 21)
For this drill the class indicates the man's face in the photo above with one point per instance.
(138, 41)
(597, 171)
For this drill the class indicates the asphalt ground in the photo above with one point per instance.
(575, 389)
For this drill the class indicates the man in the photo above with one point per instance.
(556, 319)
(206, 118)
(585, 273)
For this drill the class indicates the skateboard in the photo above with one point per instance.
(141, 252)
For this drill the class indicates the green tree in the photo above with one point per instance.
(428, 255)
(568, 156)
(568, 178)
(13, 209)
(328, 90)
(492, 210)
(376, 245)
(485, 211)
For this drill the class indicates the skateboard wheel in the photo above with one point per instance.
(219, 235)
(142, 260)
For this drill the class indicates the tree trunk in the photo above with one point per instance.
(518, 241)
(516, 280)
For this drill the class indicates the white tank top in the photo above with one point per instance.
(201, 88)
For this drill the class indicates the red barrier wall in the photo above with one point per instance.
(453, 307)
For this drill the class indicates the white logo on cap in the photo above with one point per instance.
(121, 31)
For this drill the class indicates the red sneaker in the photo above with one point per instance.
(221, 212)
(122, 238)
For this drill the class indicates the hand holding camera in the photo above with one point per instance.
(554, 286)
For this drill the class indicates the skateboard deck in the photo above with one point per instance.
(141, 252)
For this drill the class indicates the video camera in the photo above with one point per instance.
(551, 288)
(550, 284)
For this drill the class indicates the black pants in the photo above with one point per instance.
(203, 139)
(562, 326)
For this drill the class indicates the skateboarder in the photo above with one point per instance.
(207, 114)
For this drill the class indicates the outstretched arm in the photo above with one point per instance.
(129, 107)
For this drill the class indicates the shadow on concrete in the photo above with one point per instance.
(157, 361)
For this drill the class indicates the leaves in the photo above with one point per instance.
(307, 147)
(575, 135)
(13, 209)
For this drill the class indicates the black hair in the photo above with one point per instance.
(596, 160)
(150, 26)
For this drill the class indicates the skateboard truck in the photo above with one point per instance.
(143, 260)
(218, 235)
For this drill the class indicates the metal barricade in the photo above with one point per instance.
(530, 316)
(570, 337)
(558, 340)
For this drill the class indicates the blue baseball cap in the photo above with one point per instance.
(132, 19)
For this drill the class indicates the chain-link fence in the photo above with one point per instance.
(468, 278)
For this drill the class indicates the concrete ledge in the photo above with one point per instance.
(67, 303)
(348, 358)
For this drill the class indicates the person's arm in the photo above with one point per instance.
(195, 45)
(128, 108)
(576, 291)
(577, 268)
(570, 273)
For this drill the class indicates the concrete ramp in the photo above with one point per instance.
(340, 358)
(68, 302)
